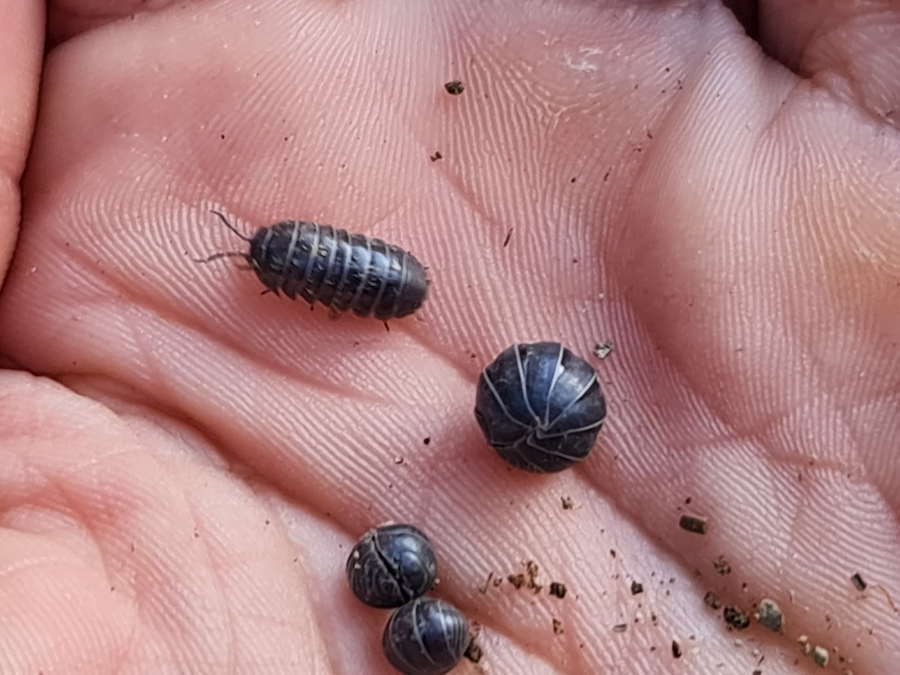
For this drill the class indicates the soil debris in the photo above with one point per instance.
(455, 87)
(695, 524)
(735, 618)
(558, 589)
(769, 615)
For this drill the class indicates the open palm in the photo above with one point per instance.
(185, 463)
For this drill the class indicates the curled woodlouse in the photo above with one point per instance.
(540, 406)
(426, 637)
(327, 265)
(391, 565)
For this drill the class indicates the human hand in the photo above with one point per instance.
(181, 488)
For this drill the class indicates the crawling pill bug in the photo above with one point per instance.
(540, 406)
(341, 271)
(391, 565)
(426, 637)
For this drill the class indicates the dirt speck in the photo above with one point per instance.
(769, 615)
(712, 600)
(735, 618)
(637, 588)
(454, 87)
(557, 589)
(473, 652)
(567, 504)
(693, 523)
(557, 627)
(722, 566)
(603, 349)
(820, 656)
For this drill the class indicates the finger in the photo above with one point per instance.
(850, 48)
(21, 41)
(121, 554)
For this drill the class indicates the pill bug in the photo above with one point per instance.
(426, 637)
(327, 265)
(391, 565)
(540, 406)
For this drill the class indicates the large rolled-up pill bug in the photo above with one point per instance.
(540, 406)
(391, 565)
(426, 637)
(341, 271)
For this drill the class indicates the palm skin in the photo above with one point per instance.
(185, 464)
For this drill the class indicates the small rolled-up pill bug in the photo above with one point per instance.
(540, 406)
(341, 271)
(426, 637)
(391, 565)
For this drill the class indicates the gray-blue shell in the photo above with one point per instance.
(391, 565)
(426, 637)
(540, 406)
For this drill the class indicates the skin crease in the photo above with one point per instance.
(184, 464)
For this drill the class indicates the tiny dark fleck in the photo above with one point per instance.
(455, 87)
(508, 235)
(676, 649)
(427, 440)
(858, 582)
(567, 504)
(769, 615)
(531, 574)
(602, 350)
(722, 566)
(606, 175)
(517, 580)
(612, 552)
(712, 600)
(757, 672)
(398, 460)
(436, 156)
(558, 589)
(222, 137)
(620, 628)
(557, 627)
(572, 180)
(735, 618)
(473, 652)
(483, 589)
(649, 134)
(637, 588)
(688, 500)
(695, 524)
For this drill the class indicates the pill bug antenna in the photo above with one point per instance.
(226, 254)
(231, 227)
